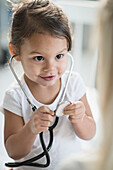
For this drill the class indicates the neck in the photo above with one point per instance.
(44, 94)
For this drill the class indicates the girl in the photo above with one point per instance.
(40, 38)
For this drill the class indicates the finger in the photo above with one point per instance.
(45, 109)
(73, 105)
(79, 104)
(42, 129)
(79, 116)
(44, 124)
(43, 116)
(74, 120)
(40, 126)
(74, 111)
(47, 117)
(39, 130)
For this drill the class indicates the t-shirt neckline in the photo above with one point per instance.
(32, 98)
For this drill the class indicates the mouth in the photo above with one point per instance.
(48, 78)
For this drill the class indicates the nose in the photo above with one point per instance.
(49, 66)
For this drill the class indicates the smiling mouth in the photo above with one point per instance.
(48, 78)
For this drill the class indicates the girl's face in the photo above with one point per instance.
(44, 59)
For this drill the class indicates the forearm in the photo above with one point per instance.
(86, 128)
(19, 145)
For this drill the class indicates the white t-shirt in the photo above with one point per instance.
(84, 161)
(65, 140)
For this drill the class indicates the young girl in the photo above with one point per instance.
(40, 38)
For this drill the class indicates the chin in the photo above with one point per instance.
(48, 84)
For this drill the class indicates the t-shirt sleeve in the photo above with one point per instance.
(78, 88)
(12, 102)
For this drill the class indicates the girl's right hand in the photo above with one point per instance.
(41, 119)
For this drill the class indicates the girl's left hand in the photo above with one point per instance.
(76, 111)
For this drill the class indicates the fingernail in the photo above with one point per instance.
(53, 113)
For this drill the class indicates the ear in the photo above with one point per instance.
(13, 51)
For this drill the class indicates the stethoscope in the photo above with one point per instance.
(58, 112)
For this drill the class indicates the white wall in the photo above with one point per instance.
(82, 14)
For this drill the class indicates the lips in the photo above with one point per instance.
(48, 78)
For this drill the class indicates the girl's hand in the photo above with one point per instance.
(41, 119)
(76, 111)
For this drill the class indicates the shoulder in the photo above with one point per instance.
(74, 75)
(13, 98)
(14, 88)
(76, 87)
(75, 78)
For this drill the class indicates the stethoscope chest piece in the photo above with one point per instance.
(61, 106)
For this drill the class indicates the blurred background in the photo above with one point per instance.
(82, 16)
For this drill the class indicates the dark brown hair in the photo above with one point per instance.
(38, 16)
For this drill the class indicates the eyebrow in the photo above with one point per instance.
(36, 52)
(62, 50)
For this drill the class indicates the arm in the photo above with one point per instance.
(81, 118)
(19, 137)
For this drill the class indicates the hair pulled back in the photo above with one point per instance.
(37, 16)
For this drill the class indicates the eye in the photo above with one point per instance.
(59, 56)
(38, 58)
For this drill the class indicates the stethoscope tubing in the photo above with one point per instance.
(29, 162)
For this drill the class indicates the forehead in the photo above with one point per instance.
(44, 42)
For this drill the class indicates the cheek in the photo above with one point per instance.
(30, 69)
(62, 67)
